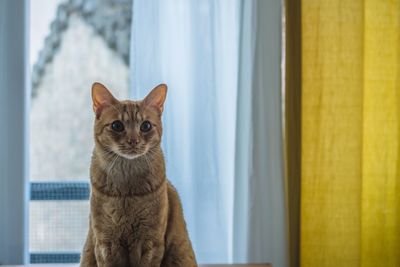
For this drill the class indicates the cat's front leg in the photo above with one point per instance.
(147, 254)
(88, 258)
(109, 254)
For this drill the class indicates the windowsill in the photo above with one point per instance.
(203, 265)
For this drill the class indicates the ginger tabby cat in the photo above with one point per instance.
(136, 217)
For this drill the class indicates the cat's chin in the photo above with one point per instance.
(129, 156)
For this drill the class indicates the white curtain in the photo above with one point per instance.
(13, 132)
(222, 124)
(260, 222)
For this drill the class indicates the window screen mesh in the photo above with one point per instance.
(58, 226)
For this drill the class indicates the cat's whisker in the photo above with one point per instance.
(108, 149)
(107, 153)
(112, 164)
(152, 152)
(148, 163)
(150, 155)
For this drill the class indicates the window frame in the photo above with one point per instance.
(14, 106)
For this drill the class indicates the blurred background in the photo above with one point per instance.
(281, 125)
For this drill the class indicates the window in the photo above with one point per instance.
(73, 43)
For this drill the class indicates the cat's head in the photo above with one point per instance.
(127, 128)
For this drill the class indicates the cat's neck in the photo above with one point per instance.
(114, 175)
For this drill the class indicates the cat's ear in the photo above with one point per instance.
(101, 98)
(156, 98)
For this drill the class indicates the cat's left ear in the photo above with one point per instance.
(101, 98)
(156, 98)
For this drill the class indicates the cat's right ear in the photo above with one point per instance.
(101, 98)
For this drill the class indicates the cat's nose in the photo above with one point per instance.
(133, 141)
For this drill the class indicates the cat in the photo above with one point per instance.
(136, 217)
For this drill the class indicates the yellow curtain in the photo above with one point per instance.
(350, 159)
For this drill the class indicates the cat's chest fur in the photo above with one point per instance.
(129, 204)
(128, 220)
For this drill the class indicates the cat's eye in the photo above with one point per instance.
(117, 126)
(145, 127)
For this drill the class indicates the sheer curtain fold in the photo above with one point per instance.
(222, 122)
(260, 220)
(192, 46)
